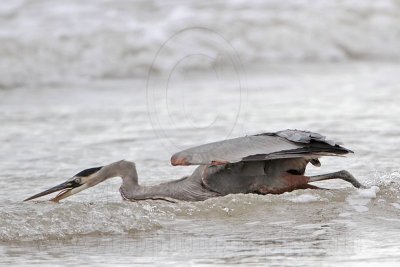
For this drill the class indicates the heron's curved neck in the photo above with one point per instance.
(187, 188)
(164, 191)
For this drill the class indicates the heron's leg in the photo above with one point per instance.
(344, 175)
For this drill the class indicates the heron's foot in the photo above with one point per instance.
(344, 175)
(348, 177)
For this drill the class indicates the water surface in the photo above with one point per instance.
(49, 133)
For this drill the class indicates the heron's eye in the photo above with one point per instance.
(77, 180)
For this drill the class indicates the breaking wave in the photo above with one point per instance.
(50, 42)
(48, 221)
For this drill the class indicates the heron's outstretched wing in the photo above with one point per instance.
(266, 146)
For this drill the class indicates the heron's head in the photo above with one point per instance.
(77, 183)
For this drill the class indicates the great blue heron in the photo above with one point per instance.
(268, 163)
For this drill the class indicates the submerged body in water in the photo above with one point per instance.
(268, 163)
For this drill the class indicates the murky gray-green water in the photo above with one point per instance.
(49, 133)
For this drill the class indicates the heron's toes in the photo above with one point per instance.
(345, 175)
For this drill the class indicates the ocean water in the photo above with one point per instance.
(49, 134)
(86, 84)
(43, 41)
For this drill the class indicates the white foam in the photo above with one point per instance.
(345, 214)
(392, 176)
(282, 222)
(396, 205)
(305, 198)
(388, 219)
(390, 179)
(319, 232)
(360, 208)
(361, 199)
(45, 220)
(348, 223)
(307, 226)
(368, 192)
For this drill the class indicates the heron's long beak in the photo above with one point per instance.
(66, 189)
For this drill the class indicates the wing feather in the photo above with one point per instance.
(266, 146)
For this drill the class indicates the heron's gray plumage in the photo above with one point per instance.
(268, 163)
(189, 188)
(266, 146)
